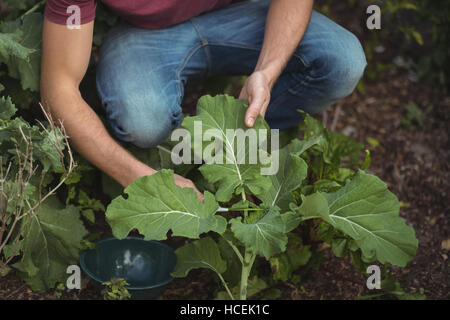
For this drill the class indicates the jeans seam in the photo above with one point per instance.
(204, 44)
(242, 46)
(300, 84)
(185, 60)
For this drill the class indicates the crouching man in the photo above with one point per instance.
(295, 58)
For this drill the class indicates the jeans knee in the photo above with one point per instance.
(146, 126)
(343, 66)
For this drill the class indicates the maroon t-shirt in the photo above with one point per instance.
(149, 14)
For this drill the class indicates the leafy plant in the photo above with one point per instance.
(35, 230)
(59, 290)
(115, 289)
(39, 236)
(414, 115)
(259, 214)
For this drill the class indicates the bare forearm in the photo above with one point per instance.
(89, 137)
(286, 24)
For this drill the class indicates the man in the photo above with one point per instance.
(295, 58)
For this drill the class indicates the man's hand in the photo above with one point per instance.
(286, 23)
(186, 183)
(256, 91)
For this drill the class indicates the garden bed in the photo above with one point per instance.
(414, 162)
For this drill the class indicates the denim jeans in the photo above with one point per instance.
(141, 73)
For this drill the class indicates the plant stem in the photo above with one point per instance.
(235, 249)
(243, 199)
(34, 8)
(226, 286)
(249, 258)
(247, 263)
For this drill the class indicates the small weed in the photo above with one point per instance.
(115, 289)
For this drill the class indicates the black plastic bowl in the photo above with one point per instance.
(145, 265)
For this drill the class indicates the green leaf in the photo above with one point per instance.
(43, 143)
(89, 215)
(203, 253)
(255, 285)
(367, 161)
(339, 247)
(298, 147)
(291, 220)
(7, 108)
(373, 142)
(326, 185)
(367, 211)
(285, 263)
(314, 206)
(265, 237)
(333, 146)
(235, 173)
(13, 248)
(417, 36)
(51, 242)
(156, 205)
(10, 47)
(292, 171)
(233, 273)
(20, 43)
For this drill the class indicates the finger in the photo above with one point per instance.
(265, 105)
(201, 197)
(257, 104)
(243, 95)
(190, 184)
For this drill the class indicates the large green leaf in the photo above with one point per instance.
(292, 171)
(155, 205)
(235, 173)
(367, 211)
(51, 242)
(265, 237)
(203, 253)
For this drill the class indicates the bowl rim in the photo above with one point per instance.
(94, 277)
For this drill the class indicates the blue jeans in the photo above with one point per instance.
(141, 73)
